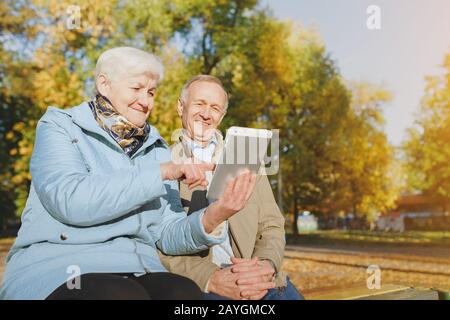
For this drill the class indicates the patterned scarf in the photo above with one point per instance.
(129, 137)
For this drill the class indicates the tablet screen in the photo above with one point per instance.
(244, 148)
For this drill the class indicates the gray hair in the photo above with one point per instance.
(122, 61)
(202, 78)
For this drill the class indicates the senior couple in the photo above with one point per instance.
(111, 208)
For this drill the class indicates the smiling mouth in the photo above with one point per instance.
(203, 122)
(140, 109)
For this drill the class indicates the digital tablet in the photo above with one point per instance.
(244, 148)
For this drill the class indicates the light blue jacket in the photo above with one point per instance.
(91, 208)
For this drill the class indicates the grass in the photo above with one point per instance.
(440, 238)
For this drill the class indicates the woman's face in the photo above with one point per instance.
(132, 97)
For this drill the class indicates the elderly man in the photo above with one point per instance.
(247, 265)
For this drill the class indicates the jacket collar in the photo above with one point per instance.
(82, 116)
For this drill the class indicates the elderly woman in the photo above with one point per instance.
(104, 195)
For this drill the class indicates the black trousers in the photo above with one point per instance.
(152, 286)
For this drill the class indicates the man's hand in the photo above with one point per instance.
(234, 199)
(192, 174)
(224, 283)
(247, 279)
(255, 277)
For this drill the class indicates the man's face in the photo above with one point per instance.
(203, 110)
(133, 97)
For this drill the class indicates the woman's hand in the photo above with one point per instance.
(234, 199)
(192, 174)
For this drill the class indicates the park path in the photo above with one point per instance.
(418, 251)
(4, 248)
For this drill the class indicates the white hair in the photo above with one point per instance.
(202, 78)
(127, 61)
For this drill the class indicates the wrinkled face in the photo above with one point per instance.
(132, 97)
(203, 110)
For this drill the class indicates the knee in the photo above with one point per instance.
(116, 288)
(185, 289)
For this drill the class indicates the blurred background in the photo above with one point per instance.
(360, 91)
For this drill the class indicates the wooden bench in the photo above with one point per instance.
(386, 292)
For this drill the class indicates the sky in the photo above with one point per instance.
(411, 44)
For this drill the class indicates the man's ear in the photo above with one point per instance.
(180, 108)
(102, 84)
(222, 116)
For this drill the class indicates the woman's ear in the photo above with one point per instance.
(180, 108)
(102, 84)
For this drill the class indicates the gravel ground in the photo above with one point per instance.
(313, 272)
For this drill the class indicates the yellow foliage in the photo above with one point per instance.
(19, 126)
(17, 179)
(10, 135)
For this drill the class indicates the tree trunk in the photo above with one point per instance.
(280, 190)
(295, 213)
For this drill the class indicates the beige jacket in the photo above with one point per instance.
(257, 230)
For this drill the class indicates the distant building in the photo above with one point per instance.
(415, 212)
(418, 203)
(306, 222)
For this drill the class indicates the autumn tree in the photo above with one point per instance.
(278, 75)
(427, 149)
(367, 178)
(46, 66)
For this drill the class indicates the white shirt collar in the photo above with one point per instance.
(203, 153)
